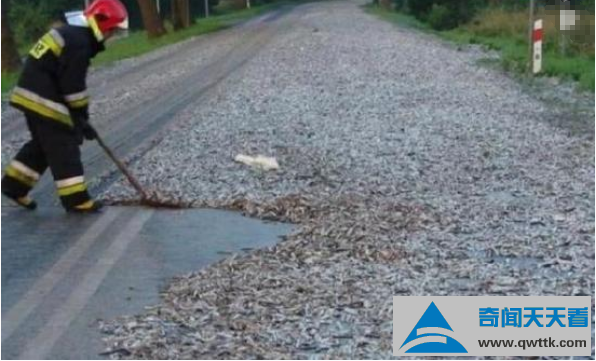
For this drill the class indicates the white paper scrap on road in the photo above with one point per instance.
(260, 161)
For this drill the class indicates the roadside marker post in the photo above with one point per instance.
(537, 35)
(531, 7)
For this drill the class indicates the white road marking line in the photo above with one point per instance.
(45, 284)
(44, 341)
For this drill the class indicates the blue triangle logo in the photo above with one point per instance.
(432, 334)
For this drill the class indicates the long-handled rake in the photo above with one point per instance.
(152, 199)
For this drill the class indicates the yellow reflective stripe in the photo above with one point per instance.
(86, 205)
(57, 37)
(75, 188)
(41, 109)
(95, 28)
(24, 169)
(70, 181)
(79, 103)
(21, 177)
(59, 107)
(25, 201)
(76, 96)
(49, 40)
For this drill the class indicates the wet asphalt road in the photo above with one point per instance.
(62, 273)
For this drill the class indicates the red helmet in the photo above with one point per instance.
(108, 15)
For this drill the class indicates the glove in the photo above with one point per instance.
(88, 131)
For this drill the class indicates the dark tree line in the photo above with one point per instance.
(23, 21)
(10, 55)
(448, 14)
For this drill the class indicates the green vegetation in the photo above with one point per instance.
(400, 18)
(440, 14)
(30, 18)
(137, 43)
(505, 30)
(8, 81)
(514, 56)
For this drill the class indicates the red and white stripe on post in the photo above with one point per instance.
(537, 40)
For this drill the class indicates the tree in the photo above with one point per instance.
(180, 14)
(151, 20)
(10, 55)
(386, 4)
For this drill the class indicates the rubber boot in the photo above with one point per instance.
(25, 202)
(90, 206)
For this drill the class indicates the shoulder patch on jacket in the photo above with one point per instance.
(52, 40)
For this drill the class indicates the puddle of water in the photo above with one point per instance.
(172, 243)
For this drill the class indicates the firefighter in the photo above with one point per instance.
(52, 94)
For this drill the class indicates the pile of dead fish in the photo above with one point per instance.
(297, 299)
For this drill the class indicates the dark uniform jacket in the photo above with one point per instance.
(53, 82)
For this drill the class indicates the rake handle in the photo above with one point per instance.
(133, 181)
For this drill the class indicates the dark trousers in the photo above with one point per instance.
(51, 146)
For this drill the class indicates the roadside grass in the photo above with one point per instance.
(506, 32)
(137, 43)
(514, 57)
